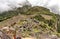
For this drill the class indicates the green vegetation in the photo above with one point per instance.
(7, 15)
(58, 22)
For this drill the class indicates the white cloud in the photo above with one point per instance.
(9, 4)
(53, 5)
(37, 2)
(6, 5)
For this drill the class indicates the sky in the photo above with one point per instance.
(53, 5)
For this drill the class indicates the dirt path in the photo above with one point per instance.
(29, 38)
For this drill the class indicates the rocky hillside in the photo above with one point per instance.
(29, 21)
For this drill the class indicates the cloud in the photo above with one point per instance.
(6, 5)
(53, 5)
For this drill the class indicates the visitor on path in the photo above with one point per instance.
(18, 38)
